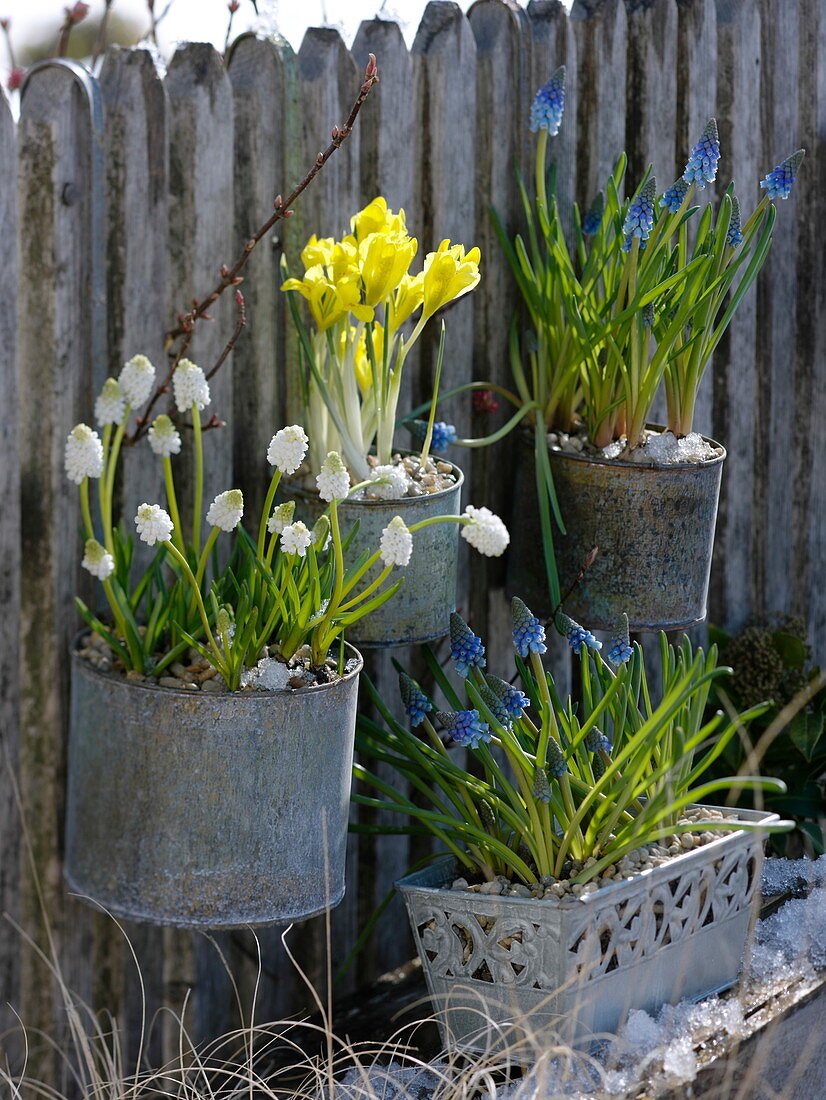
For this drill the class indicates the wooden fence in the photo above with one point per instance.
(121, 195)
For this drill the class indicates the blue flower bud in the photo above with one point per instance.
(734, 234)
(443, 434)
(541, 787)
(465, 727)
(416, 703)
(555, 758)
(674, 196)
(593, 219)
(702, 161)
(639, 221)
(575, 635)
(466, 648)
(548, 104)
(514, 700)
(528, 635)
(595, 740)
(496, 706)
(647, 314)
(779, 181)
(619, 648)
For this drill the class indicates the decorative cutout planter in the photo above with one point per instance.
(420, 610)
(654, 526)
(508, 970)
(208, 811)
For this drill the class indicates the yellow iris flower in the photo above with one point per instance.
(448, 274)
(376, 218)
(329, 302)
(409, 294)
(317, 251)
(385, 258)
(364, 371)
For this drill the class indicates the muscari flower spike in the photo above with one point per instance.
(778, 182)
(295, 538)
(702, 160)
(486, 532)
(416, 703)
(593, 218)
(496, 706)
(639, 221)
(465, 727)
(555, 758)
(190, 387)
(333, 481)
(388, 482)
(153, 524)
(281, 516)
(226, 510)
(595, 740)
(466, 648)
(673, 198)
(164, 437)
(110, 405)
(287, 448)
(83, 456)
(734, 234)
(619, 648)
(541, 787)
(396, 543)
(575, 635)
(443, 434)
(514, 700)
(528, 633)
(548, 104)
(97, 560)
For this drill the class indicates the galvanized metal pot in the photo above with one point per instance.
(420, 610)
(208, 811)
(654, 526)
(517, 973)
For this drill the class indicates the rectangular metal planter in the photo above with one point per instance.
(518, 973)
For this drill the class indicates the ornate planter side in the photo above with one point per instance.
(654, 526)
(571, 970)
(208, 811)
(420, 610)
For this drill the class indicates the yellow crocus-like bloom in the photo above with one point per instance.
(317, 251)
(364, 369)
(348, 292)
(377, 218)
(323, 297)
(385, 258)
(448, 274)
(408, 298)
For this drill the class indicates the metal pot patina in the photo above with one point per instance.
(420, 610)
(515, 974)
(208, 811)
(653, 524)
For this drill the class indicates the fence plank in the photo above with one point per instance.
(9, 579)
(732, 589)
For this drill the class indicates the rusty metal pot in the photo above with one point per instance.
(654, 526)
(420, 610)
(208, 811)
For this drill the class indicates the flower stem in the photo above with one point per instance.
(199, 477)
(172, 501)
(220, 664)
(265, 512)
(85, 509)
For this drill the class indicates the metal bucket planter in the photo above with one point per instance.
(514, 973)
(420, 610)
(208, 811)
(654, 526)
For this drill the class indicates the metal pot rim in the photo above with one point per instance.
(623, 464)
(299, 490)
(83, 667)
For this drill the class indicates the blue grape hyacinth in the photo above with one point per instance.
(619, 648)
(575, 635)
(416, 703)
(595, 740)
(528, 634)
(465, 727)
(778, 182)
(702, 161)
(673, 198)
(513, 700)
(496, 706)
(639, 221)
(443, 434)
(734, 234)
(466, 648)
(593, 218)
(548, 104)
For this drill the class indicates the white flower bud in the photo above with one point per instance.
(281, 516)
(390, 482)
(190, 386)
(136, 380)
(333, 482)
(396, 543)
(111, 404)
(153, 524)
(84, 454)
(98, 560)
(295, 539)
(226, 510)
(164, 437)
(487, 533)
(287, 448)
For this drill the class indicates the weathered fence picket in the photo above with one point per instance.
(132, 189)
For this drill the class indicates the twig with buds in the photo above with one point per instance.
(72, 16)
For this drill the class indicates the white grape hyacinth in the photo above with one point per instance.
(281, 516)
(136, 380)
(333, 482)
(390, 482)
(396, 543)
(84, 454)
(97, 560)
(153, 524)
(287, 448)
(110, 406)
(164, 437)
(486, 532)
(295, 538)
(226, 510)
(190, 387)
